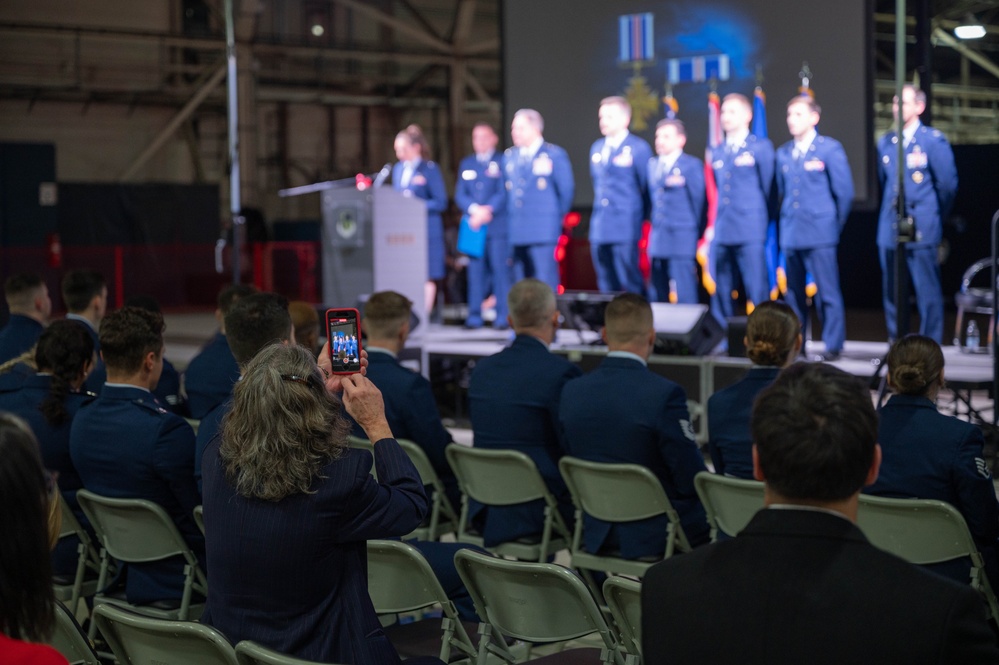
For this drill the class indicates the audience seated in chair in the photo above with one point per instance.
(124, 444)
(30, 308)
(801, 583)
(928, 455)
(168, 389)
(209, 376)
(642, 419)
(289, 506)
(253, 321)
(410, 407)
(85, 294)
(27, 497)
(513, 400)
(48, 402)
(773, 341)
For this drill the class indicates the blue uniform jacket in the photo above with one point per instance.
(125, 445)
(20, 334)
(620, 191)
(513, 401)
(292, 574)
(729, 438)
(930, 184)
(168, 390)
(678, 202)
(411, 411)
(816, 193)
(427, 183)
(540, 194)
(928, 455)
(641, 418)
(483, 184)
(745, 177)
(209, 378)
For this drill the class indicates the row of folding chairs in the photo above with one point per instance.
(536, 603)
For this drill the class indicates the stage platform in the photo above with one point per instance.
(446, 355)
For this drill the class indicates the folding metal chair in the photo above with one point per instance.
(730, 503)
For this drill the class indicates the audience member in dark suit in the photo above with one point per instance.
(48, 401)
(168, 389)
(410, 407)
(415, 175)
(251, 323)
(801, 583)
(30, 307)
(649, 426)
(209, 377)
(773, 341)
(28, 501)
(927, 455)
(513, 400)
(289, 507)
(85, 294)
(125, 445)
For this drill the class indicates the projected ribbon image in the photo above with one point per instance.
(636, 49)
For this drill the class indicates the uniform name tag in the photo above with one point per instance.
(745, 159)
(469, 174)
(675, 181)
(542, 165)
(815, 165)
(916, 160)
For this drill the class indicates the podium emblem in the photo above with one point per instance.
(346, 223)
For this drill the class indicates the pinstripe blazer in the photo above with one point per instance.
(292, 574)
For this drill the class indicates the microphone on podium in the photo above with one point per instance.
(382, 176)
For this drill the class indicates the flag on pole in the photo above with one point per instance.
(776, 272)
(715, 140)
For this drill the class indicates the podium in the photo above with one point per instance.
(372, 240)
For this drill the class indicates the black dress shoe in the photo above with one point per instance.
(828, 356)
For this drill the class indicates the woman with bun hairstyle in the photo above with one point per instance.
(773, 341)
(415, 175)
(928, 455)
(48, 401)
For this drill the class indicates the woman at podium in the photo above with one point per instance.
(415, 175)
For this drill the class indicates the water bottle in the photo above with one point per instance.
(972, 338)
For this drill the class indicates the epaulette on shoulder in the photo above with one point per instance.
(152, 406)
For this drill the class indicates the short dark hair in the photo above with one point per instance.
(815, 430)
(254, 321)
(807, 100)
(628, 318)
(681, 129)
(20, 290)
(79, 287)
(128, 335)
(385, 312)
(27, 603)
(63, 350)
(230, 294)
(738, 97)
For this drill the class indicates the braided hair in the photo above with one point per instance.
(64, 350)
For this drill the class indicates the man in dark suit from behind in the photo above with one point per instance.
(29, 304)
(410, 407)
(210, 375)
(801, 583)
(650, 426)
(513, 400)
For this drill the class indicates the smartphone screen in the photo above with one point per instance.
(343, 330)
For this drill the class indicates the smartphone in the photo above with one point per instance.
(343, 330)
